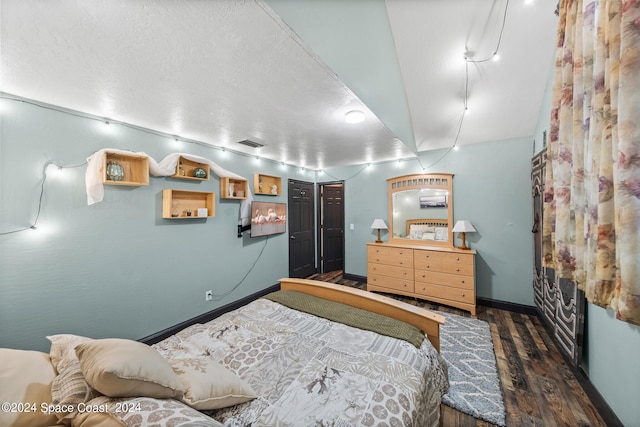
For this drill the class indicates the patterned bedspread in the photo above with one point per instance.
(309, 371)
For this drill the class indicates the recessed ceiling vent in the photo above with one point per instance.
(250, 143)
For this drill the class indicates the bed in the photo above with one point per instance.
(312, 354)
(427, 229)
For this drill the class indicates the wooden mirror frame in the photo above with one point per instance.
(432, 181)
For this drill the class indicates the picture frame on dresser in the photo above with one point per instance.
(414, 262)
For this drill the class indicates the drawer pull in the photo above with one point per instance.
(405, 273)
(423, 288)
(401, 253)
(405, 285)
(401, 262)
(463, 294)
(457, 269)
(427, 266)
(457, 258)
(462, 281)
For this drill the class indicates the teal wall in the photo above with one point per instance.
(115, 268)
(611, 362)
(492, 189)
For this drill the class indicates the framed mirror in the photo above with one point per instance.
(421, 209)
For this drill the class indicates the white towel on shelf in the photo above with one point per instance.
(166, 167)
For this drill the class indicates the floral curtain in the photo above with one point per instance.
(592, 183)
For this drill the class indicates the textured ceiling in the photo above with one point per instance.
(227, 70)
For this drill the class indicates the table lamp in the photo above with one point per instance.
(380, 225)
(463, 227)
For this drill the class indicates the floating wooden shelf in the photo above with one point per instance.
(188, 170)
(135, 169)
(231, 188)
(176, 204)
(263, 184)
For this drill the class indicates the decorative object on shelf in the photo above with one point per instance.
(183, 204)
(181, 170)
(231, 189)
(267, 185)
(240, 193)
(199, 173)
(463, 227)
(115, 172)
(380, 225)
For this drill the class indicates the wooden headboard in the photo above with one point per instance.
(432, 222)
(428, 321)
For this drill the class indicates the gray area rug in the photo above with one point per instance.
(466, 345)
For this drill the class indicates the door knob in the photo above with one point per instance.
(293, 237)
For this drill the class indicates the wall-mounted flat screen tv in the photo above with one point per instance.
(268, 218)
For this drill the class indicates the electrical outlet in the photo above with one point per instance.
(208, 296)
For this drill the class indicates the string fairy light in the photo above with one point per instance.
(34, 225)
(494, 56)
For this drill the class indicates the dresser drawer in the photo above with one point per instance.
(454, 294)
(392, 256)
(427, 256)
(445, 279)
(465, 269)
(432, 265)
(390, 282)
(390, 270)
(457, 258)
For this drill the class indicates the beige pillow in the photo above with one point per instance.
(69, 387)
(209, 385)
(25, 380)
(124, 368)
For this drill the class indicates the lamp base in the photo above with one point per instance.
(378, 241)
(464, 243)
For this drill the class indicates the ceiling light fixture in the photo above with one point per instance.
(354, 116)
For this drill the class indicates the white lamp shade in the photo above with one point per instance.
(379, 224)
(463, 227)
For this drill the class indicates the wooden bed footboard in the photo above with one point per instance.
(427, 321)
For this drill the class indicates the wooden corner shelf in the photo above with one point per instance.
(177, 203)
(264, 184)
(232, 188)
(188, 170)
(133, 169)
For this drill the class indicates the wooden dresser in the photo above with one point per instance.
(440, 274)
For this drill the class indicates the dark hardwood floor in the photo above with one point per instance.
(538, 386)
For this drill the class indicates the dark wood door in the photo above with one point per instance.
(301, 229)
(331, 227)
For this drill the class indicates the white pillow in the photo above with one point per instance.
(441, 233)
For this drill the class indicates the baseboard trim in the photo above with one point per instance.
(354, 277)
(608, 416)
(604, 410)
(508, 306)
(208, 316)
